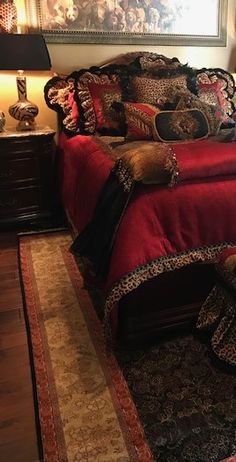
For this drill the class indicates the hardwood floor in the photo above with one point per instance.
(18, 438)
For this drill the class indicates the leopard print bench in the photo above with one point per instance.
(217, 316)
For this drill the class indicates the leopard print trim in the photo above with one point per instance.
(148, 271)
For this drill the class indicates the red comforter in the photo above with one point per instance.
(162, 228)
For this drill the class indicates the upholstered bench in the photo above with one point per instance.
(217, 316)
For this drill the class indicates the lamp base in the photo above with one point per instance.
(25, 125)
(2, 121)
(23, 110)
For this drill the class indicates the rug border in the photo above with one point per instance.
(31, 318)
(31, 359)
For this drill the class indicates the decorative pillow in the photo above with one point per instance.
(149, 61)
(139, 119)
(213, 113)
(188, 124)
(155, 91)
(149, 161)
(216, 86)
(96, 89)
(59, 96)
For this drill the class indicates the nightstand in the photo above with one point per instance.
(28, 178)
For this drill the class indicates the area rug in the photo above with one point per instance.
(164, 403)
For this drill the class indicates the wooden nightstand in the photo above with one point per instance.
(28, 192)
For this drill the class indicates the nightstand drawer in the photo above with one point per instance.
(16, 170)
(20, 201)
(30, 145)
(15, 145)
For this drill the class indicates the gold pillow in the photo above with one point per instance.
(149, 161)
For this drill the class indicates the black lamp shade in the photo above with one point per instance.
(24, 51)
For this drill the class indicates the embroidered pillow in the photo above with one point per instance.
(59, 96)
(213, 112)
(139, 119)
(188, 124)
(155, 91)
(96, 89)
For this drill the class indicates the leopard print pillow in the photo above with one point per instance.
(155, 91)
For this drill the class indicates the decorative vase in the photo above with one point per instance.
(23, 110)
(8, 15)
(2, 121)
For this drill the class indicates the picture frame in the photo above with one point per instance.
(146, 22)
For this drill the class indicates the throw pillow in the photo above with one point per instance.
(148, 161)
(213, 112)
(188, 124)
(139, 120)
(216, 86)
(59, 96)
(155, 91)
(96, 89)
(150, 61)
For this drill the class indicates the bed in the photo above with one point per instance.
(147, 161)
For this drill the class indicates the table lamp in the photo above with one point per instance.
(23, 52)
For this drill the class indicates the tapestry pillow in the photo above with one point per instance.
(213, 112)
(139, 119)
(180, 125)
(96, 90)
(155, 91)
(59, 96)
(216, 86)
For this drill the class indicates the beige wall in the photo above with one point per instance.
(67, 57)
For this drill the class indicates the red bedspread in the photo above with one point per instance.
(162, 228)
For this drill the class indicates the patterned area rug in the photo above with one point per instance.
(165, 403)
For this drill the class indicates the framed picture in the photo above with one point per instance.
(149, 22)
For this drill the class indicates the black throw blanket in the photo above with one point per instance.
(96, 241)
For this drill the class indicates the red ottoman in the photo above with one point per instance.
(217, 316)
